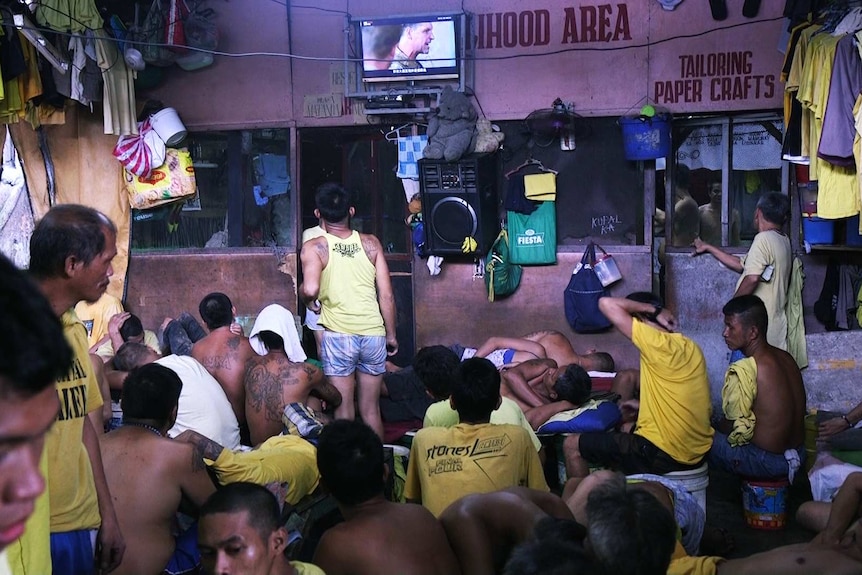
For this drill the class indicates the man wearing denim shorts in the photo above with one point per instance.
(347, 282)
(762, 432)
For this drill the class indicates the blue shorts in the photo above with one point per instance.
(72, 552)
(186, 557)
(343, 354)
(748, 460)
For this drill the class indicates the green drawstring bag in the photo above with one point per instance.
(502, 277)
(534, 236)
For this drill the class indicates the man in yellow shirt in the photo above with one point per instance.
(475, 456)
(35, 353)
(673, 431)
(70, 258)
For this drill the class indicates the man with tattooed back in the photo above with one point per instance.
(273, 382)
(223, 352)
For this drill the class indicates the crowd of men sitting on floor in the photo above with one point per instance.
(215, 435)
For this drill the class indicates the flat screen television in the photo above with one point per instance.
(408, 48)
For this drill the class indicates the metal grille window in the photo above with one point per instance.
(723, 165)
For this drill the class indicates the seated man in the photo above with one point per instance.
(96, 315)
(203, 404)
(240, 531)
(673, 432)
(689, 517)
(378, 536)
(149, 475)
(557, 547)
(541, 389)
(273, 382)
(436, 365)
(629, 531)
(222, 352)
(474, 456)
(762, 432)
(284, 464)
(484, 527)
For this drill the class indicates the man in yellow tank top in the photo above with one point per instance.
(346, 280)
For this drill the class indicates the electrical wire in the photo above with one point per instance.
(342, 59)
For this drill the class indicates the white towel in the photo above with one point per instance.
(277, 319)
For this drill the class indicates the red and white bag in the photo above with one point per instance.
(142, 153)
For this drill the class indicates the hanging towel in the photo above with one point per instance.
(796, 345)
(737, 398)
(277, 319)
(541, 187)
(410, 150)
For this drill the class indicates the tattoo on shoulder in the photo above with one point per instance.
(233, 343)
(370, 246)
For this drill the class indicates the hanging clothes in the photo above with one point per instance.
(120, 118)
(69, 15)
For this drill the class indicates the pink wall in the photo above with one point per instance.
(606, 58)
(237, 92)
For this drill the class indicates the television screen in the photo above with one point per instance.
(403, 48)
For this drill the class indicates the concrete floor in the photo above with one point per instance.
(724, 510)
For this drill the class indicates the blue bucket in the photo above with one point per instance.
(818, 231)
(646, 138)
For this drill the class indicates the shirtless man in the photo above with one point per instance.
(542, 389)
(273, 381)
(763, 400)
(378, 536)
(222, 352)
(149, 474)
(484, 527)
(559, 348)
(508, 351)
(240, 533)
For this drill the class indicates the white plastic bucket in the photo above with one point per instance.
(695, 481)
(168, 126)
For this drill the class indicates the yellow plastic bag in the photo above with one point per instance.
(172, 181)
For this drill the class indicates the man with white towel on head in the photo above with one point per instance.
(280, 377)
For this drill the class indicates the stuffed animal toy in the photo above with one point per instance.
(486, 140)
(450, 129)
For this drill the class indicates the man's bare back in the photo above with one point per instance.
(224, 354)
(385, 537)
(779, 407)
(146, 497)
(273, 381)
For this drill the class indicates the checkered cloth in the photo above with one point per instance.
(410, 150)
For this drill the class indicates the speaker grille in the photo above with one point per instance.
(453, 219)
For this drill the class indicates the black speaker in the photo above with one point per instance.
(460, 201)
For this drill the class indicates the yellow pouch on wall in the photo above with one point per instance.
(541, 187)
(172, 181)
